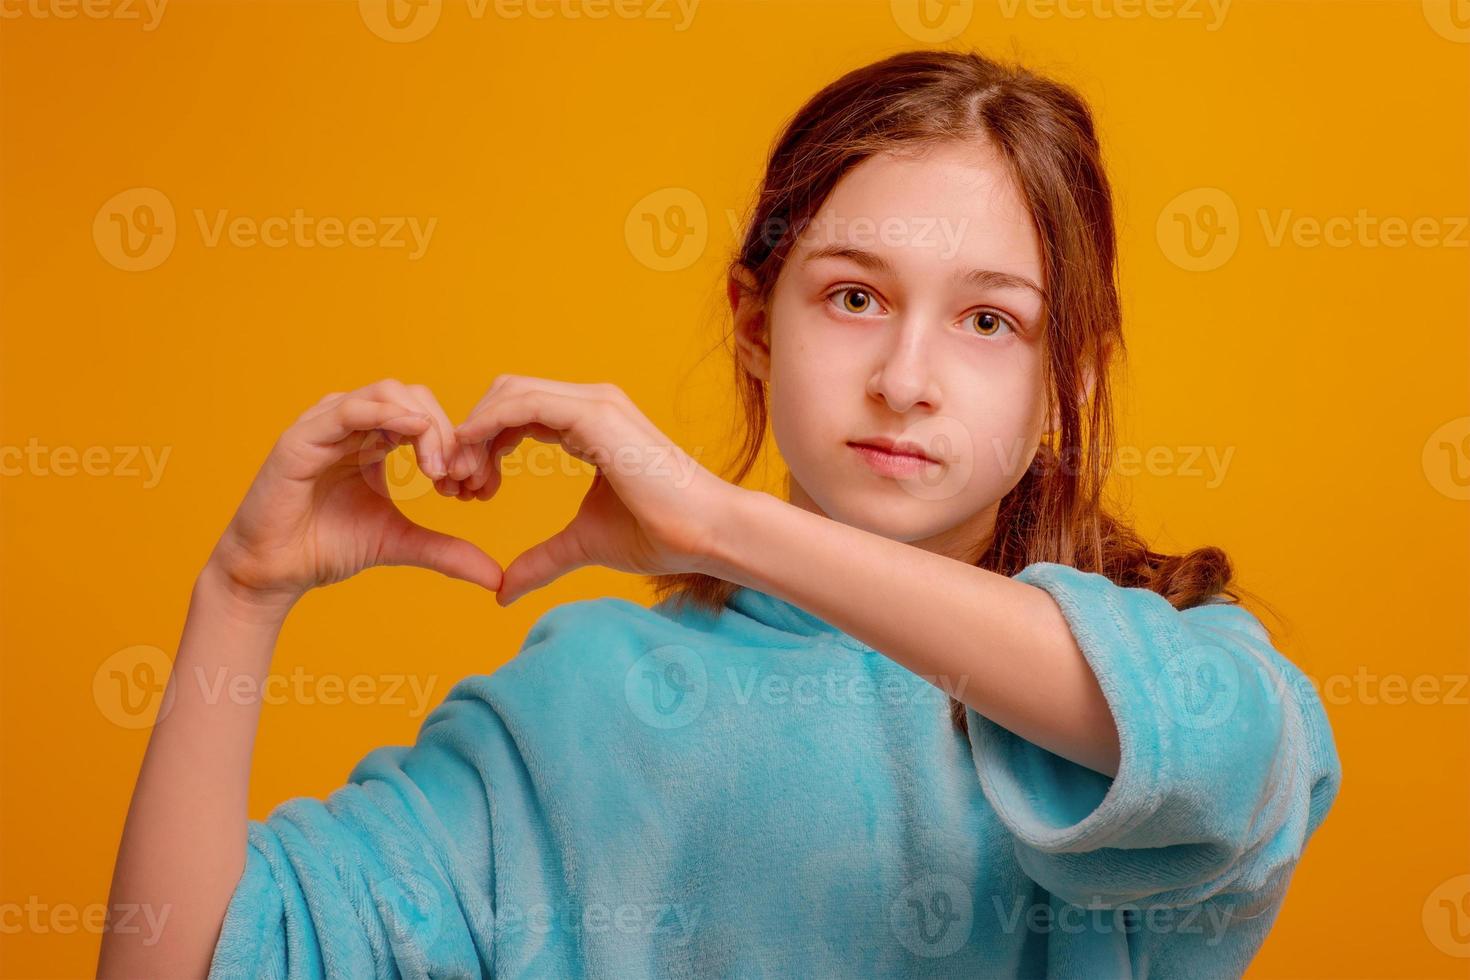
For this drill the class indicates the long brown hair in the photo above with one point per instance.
(1044, 131)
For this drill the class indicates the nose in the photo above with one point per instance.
(905, 377)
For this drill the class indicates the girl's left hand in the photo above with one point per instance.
(651, 509)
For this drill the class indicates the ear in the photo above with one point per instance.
(752, 334)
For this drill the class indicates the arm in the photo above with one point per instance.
(966, 627)
(1135, 751)
(183, 845)
(318, 511)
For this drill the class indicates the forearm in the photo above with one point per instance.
(183, 845)
(1000, 646)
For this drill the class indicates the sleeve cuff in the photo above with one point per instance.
(1053, 804)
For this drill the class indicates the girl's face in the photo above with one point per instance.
(911, 309)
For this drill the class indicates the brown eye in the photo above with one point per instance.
(988, 324)
(854, 299)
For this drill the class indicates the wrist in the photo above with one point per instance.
(724, 553)
(219, 589)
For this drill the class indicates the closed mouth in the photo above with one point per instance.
(896, 449)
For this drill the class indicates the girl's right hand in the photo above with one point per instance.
(319, 510)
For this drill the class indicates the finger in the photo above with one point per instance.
(367, 449)
(542, 565)
(345, 427)
(560, 411)
(429, 447)
(434, 448)
(500, 382)
(447, 448)
(476, 454)
(487, 469)
(413, 544)
(375, 445)
(507, 384)
(473, 453)
(354, 413)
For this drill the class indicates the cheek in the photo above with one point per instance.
(815, 370)
(803, 400)
(1003, 411)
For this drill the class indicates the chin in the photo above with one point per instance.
(888, 515)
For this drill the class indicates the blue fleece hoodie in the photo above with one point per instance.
(645, 792)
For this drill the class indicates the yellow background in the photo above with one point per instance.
(1337, 376)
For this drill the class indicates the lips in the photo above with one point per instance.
(900, 447)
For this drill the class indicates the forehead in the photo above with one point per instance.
(955, 204)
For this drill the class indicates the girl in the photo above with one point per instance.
(935, 713)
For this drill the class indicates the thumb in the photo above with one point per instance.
(542, 565)
(413, 544)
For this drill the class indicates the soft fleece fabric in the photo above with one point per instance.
(757, 794)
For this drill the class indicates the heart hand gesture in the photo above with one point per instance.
(651, 508)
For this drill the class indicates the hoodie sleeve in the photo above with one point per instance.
(1228, 764)
(389, 875)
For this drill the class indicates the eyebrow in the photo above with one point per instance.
(982, 278)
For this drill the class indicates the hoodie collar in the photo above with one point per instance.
(788, 617)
